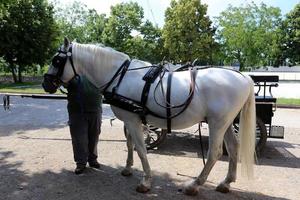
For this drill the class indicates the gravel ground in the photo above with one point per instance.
(36, 160)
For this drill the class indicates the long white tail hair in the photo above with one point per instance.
(247, 133)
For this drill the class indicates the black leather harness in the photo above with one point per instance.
(139, 107)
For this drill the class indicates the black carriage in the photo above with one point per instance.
(265, 108)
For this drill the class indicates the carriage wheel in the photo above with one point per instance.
(261, 134)
(153, 137)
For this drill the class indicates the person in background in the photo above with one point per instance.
(85, 115)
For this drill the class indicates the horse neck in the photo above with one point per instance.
(98, 64)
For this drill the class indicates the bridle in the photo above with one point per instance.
(58, 62)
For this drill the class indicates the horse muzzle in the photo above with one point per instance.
(50, 83)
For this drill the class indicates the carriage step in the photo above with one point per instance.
(277, 132)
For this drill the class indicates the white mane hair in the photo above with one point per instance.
(96, 59)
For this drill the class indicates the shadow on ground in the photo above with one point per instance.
(106, 183)
(188, 145)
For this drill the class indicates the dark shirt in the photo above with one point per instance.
(83, 96)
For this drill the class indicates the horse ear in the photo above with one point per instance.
(66, 42)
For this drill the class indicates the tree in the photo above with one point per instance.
(250, 35)
(125, 18)
(126, 32)
(78, 22)
(188, 32)
(95, 25)
(291, 27)
(28, 34)
(153, 50)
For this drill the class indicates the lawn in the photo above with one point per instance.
(288, 101)
(28, 87)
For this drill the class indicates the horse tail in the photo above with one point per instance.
(247, 133)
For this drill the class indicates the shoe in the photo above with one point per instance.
(79, 169)
(94, 164)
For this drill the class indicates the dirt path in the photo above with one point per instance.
(36, 162)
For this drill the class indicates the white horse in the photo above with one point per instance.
(218, 98)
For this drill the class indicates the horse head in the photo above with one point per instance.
(60, 70)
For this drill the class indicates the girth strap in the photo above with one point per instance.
(149, 78)
(168, 102)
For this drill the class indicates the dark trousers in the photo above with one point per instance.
(85, 129)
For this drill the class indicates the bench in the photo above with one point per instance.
(265, 84)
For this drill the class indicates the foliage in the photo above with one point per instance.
(126, 32)
(291, 41)
(188, 33)
(250, 34)
(152, 44)
(124, 19)
(78, 22)
(28, 33)
(3, 65)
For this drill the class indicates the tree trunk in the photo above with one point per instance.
(20, 80)
(241, 62)
(242, 66)
(13, 71)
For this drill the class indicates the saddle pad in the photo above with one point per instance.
(152, 74)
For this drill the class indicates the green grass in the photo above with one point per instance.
(288, 101)
(28, 87)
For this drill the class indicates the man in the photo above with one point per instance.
(84, 108)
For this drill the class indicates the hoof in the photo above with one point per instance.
(126, 172)
(142, 189)
(190, 191)
(222, 188)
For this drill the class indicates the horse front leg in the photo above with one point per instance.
(127, 171)
(137, 135)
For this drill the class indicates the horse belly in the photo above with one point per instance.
(193, 114)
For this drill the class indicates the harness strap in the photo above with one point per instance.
(68, 56)
(168, 101)
(201, 143)
(71, 60)
(144, 99)
(123, 68)
(185, 104)
(149, 78)
(140, 107)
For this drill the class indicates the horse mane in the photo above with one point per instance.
(96, 59)
(100, 51)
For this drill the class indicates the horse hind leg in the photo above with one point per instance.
(216, 135)
(127, 171)
(231, 144)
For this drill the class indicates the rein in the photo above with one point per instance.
(167, 99)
